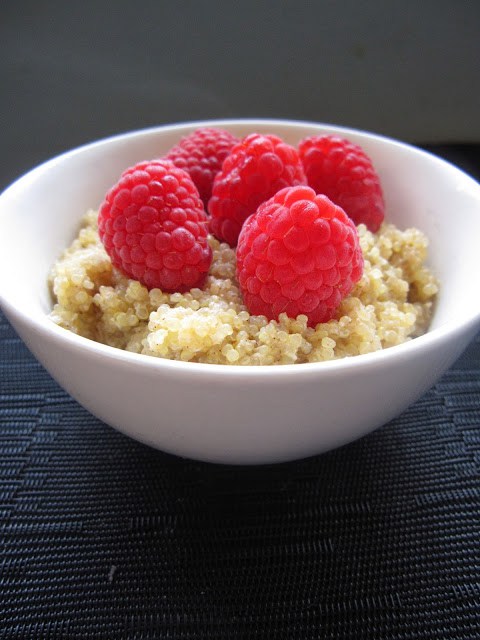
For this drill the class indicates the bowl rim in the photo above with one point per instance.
(47, 328)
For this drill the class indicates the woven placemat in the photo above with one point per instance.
(102, 537)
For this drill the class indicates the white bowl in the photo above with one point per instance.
(225, 413)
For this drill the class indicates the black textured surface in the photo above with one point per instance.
(102, 537)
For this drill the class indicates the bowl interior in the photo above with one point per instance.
(40, 213)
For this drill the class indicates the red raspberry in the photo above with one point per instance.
(298, 254)
(201, 154)
(255, 169)
(154, 227)
(342, 171)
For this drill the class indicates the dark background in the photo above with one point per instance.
(71, 72)
(102, 537)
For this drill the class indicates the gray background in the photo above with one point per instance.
(71, 72)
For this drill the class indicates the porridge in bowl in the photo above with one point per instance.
(362, 287)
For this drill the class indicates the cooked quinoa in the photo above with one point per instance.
(391, 304)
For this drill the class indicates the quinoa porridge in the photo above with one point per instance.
(391, 304)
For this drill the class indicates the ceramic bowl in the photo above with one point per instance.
(229, 414)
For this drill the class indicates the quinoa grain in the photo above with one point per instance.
(391, 304)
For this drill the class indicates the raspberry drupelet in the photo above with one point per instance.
(201, 155)
(154, 227)
(342, 171)
(255, 169)
(298, 254)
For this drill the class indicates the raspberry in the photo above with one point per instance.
(201, 154)
(154, 227)
(255, 169)
(342, 171)
(298, 254)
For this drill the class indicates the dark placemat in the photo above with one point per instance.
(102, 537)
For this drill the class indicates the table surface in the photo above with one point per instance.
(103, 537)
